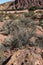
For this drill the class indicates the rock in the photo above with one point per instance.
(25, 57)
(38, 33)
(36, 21)
(33, 40)
(2, 38)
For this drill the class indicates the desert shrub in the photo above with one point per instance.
(26, 14)
(5, 28)
(38, 41)
(18, 31)
(41, 23)
(33, 8)
(29, 14)
(1, 16)
(2, 49)
(12, 16)
(1, 13)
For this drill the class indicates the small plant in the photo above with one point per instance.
(33, 8)
(26, 14)
(12, 16)
(41, 23)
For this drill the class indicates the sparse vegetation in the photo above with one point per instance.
(33, 8)
(23, 29)
(21, 32)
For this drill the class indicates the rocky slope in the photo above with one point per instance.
(4, 5)
(22, 4)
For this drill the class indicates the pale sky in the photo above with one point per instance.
(2, 1)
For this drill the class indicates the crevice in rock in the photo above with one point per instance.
(22, 63)
(42, 55)
(6, 61)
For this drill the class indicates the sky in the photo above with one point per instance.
(2, 1)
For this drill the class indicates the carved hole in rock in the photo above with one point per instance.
(16, 2)
(26, 61)
(42, 54)
(39, 2)
(37, 64)
(30, 45)
(35, 48)
(5, 62)
(26, 56)
(0, 57)
(11, 64)
(22, 63)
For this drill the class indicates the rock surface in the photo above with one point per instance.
(27, 56)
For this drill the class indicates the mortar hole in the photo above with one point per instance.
(11, 64)
(22, 63)
(26, 61)
(42, 54)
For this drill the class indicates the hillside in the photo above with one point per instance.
(5, 6)
(22, 4)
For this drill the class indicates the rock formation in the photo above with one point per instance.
(21, 4)
(24, 4)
